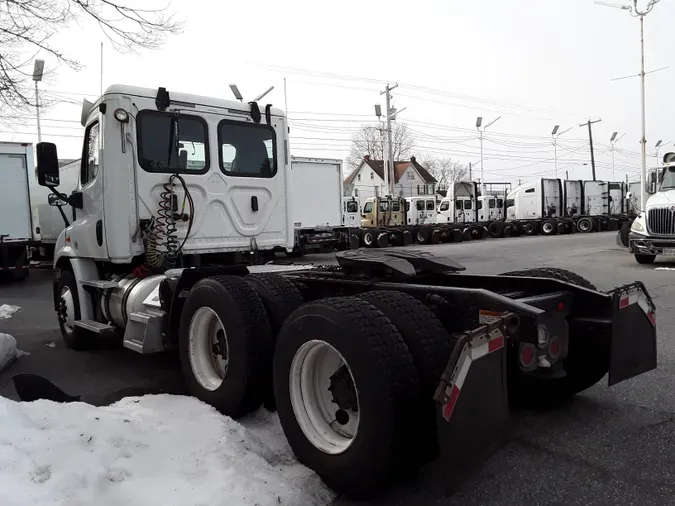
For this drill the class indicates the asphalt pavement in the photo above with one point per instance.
(609, 446)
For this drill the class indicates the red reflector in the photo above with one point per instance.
(554, 348)
(527, 355)
(652, 318)
(495, 344)
(561, 306)
(624, 302)
(452, 401)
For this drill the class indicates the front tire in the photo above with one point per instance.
(346, 349)
(644, 259)
(68, 311)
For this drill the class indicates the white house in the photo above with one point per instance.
(411, 179)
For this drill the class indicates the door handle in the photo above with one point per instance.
(254, 204)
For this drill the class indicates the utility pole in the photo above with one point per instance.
(590, 138)
(389, 180)
(38, 70)
(567, 175)
(470, 172)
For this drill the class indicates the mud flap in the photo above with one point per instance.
(633, 345)
(473, 410)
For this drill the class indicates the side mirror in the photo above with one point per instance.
(55, 200)
(47, 164)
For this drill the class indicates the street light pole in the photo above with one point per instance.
(555, 146)
(479, 122)
(633, 10)
(38, 70)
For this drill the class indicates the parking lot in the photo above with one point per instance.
(610, 446)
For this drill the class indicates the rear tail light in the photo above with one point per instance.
(528, 356)
(652, 317)
(555, 348)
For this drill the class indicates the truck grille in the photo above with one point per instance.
(661, 221)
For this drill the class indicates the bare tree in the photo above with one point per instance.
(27, 27)
(372, 140)
(446, 170)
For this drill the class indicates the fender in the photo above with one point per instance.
(82, 268)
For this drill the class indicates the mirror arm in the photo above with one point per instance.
(62, 196)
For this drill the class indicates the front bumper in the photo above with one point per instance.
(644, 245)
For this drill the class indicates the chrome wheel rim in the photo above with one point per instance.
(208, 348)
(312, 372)
(67, 315)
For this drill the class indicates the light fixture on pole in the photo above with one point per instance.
(612, 141)
(38, 70)
(236, 93)
(633, 10)
(555, 145)
(479, 122)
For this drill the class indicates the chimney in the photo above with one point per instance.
(413, 159)
(366, 157)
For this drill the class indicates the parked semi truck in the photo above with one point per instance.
(387, 361)
(652, 232)
(19, 223)
(549, 206)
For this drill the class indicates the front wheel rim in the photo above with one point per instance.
(314, 407)
(67, 309)
(208, 348)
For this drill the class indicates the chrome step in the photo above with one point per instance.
(99, 283)
(94, 326)
(143, 333)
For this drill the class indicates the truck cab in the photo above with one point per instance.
(537, 199)
(350, 212)
(652, 233)
(383, 212)
(490, 208)
(167, 179)
(421, 210)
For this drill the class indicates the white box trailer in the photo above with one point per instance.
(317, 203)
(51, 219)
(19, 223)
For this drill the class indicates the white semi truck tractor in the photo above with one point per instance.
(652, 232)
(377, 365)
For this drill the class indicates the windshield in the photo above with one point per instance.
(668, 179)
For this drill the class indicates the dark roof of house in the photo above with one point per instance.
(399, 170)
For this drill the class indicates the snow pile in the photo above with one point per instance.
(664, 268)
(152, 450)
(7, 311)
(8, 350)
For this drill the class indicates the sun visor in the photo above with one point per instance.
(86, 109)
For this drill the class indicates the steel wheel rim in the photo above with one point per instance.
(420, 236)
(312, 402)
(367, 239)
(583, 225)
(547, 227)
(206, 338)
(68, 306)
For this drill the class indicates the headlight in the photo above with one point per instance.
(637, 227)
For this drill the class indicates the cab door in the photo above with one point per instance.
(87, 232)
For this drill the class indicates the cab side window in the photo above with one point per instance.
(90, 152)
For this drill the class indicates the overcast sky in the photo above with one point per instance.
(535, 63)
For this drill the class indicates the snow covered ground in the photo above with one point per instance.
(7, 311)
(152, 450)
